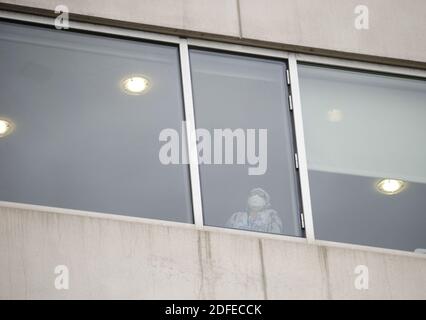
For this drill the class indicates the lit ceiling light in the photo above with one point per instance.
(6, 127)
(135, 85)
(390, 186)
(335, 115)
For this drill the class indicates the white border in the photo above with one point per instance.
(191, 134)
(236, 48)
(301, 149)
(359, 65)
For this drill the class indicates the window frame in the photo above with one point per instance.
(184, 44)
(361, 67)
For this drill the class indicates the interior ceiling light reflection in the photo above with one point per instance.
(6, 127)
(390, 186)
(135, 85)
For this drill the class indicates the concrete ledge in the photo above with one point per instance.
(218, 25)
(141, 259)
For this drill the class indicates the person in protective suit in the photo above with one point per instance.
(259, 216)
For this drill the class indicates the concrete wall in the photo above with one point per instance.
(142, 259)
(397, 28)
(110, 258)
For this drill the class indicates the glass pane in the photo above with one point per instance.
(245, 95)
(81, 140)
(362, 128)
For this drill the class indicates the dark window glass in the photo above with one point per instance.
(80, 140)
(247, 96)
(365, 138)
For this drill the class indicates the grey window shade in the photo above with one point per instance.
(381, 123)
(80, 141)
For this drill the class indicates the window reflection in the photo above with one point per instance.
(364, 140)
(243, 94)
(258, 216)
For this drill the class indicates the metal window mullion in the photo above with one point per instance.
(85, 26)
(191, 133)
(301, 149)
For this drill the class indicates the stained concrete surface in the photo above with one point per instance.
(396, 27)
(141, 259)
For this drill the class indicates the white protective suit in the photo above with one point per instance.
(259, 217)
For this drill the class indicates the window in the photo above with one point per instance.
(83, 119)
(243, 102)
(365, 137)
(87, 111)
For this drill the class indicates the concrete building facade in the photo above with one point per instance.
(117, 257)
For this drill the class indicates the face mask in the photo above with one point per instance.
(256, 202)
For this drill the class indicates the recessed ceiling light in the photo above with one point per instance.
(135, 85)
(390, 186)
(335, 115)
(6, 127)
